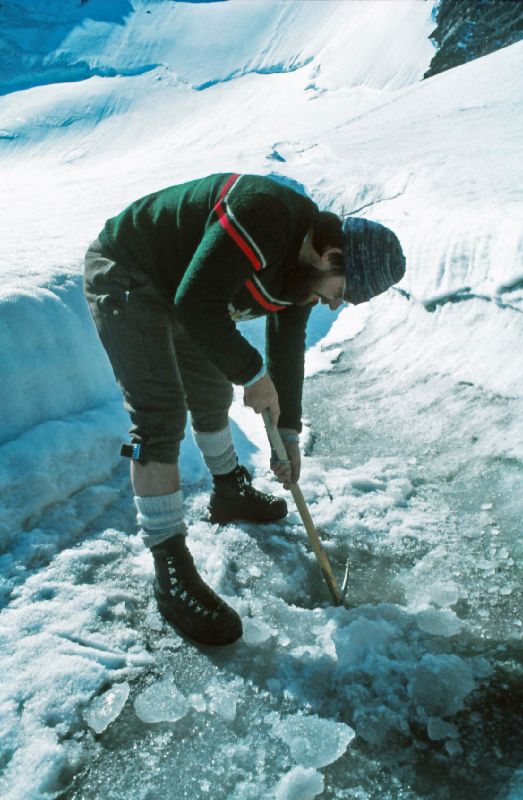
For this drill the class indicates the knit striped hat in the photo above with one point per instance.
(373, 259)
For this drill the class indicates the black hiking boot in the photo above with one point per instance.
(233, 497)
(186, 601)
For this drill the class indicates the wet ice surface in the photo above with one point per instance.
(412, 692)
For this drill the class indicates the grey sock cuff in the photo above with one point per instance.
(160, 517)
(158, 512)
(218, 450)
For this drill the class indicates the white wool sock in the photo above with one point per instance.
(217, 450)
(160, 517)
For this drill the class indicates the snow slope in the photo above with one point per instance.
(414, 444)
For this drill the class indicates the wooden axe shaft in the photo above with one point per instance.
(314, 540)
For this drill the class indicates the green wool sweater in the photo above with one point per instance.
(218, 247)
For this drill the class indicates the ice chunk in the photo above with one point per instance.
(484, 563)
(440, 684)
(161, 702)
(198, 702)
(314, 741)
(105, 708)
(439, 729)
(439, 623)
(453, 747)
(365, 484)
(222, 702)
(444, 594)
(256, 632)
(400, 489)
(374, 724)
(153, 620)
(299, 784)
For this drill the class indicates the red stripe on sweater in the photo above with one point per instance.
(240, 241)
(228, 225)
(260, 298)
(227, 186)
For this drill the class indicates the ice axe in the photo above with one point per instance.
(338, 595)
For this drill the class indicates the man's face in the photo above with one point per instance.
(329, 290)
(326, 287)
(316, 277)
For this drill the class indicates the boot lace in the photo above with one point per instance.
(246, 489)
(194, 592)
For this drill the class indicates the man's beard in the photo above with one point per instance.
(302, 278)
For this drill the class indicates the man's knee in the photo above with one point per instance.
(212, 414)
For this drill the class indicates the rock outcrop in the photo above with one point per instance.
(468, 29)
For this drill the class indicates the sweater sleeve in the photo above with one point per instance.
(285, 349)
(244, 237)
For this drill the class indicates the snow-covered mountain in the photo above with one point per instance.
(413, 402)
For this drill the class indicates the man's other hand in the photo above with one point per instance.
(288, 472)
(262, 395)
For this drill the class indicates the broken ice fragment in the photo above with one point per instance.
(299, 784)
(439, 623)
(444, 594)
(222, 702)
(256, 632)
(314, 741)
(440, 684)
(365, 484)
(161, 702)
(105, 708)
(438, 729)
(484, 563)
(453, 747)
(197, 702)
(153, 620)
